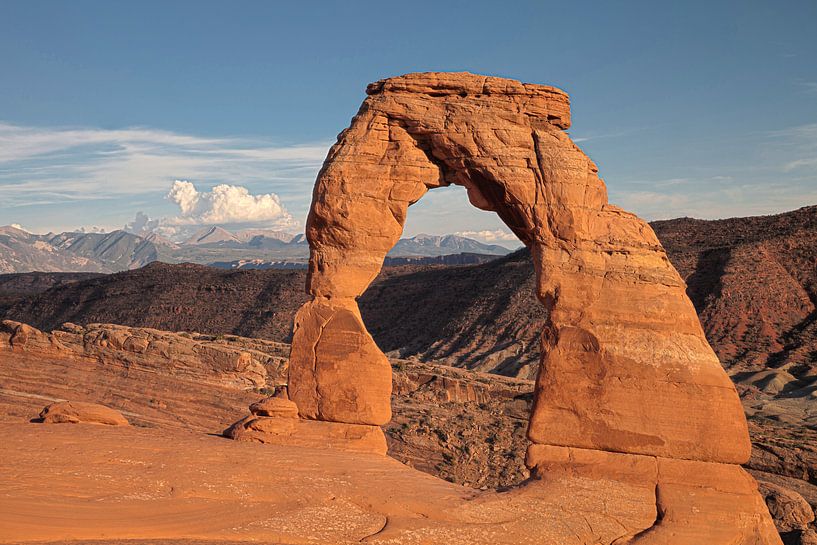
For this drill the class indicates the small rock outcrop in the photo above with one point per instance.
(275, 420)
(628, 388)
(790, 511)
(78, 412)
(277, 407)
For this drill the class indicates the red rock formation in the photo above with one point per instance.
(625, 364)
(201, 358)
(78, 412)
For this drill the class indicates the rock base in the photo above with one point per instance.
(298, 432)
(694, 502)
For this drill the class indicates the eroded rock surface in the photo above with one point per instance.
(79, 412)
(202, 358)
(275, 420)
(625, 365)
(790, 511)
(465, 427)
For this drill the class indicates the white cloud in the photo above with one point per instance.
(491, 236)
(797, 146)
(810, 87)
(41, 165)
(142, 225)
(810, 163)
(588, 136)
(226, 204)
(774, 171)
(709, 200)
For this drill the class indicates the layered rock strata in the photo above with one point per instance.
(190, 356)
(625, 366)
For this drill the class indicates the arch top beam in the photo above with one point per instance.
(625, 364)
(543, 102)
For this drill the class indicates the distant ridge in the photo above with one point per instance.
(119, 250)
(211, 235)
(450, 259)
(753, 282)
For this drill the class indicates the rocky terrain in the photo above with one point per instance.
(16, 287)
(754, 284)
(204, 382)
(447, 259)
(182, 297)
(755, 301)
(465, 427)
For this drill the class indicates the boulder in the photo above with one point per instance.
(789, 510)
(275, 406)
(297, 432)
(78, 412)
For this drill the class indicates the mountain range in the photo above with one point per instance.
(752, 280)
(21, 251)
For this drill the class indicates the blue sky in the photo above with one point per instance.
(707, 109)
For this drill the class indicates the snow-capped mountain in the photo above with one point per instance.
(119, 250)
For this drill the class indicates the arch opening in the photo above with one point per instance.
(442, 314)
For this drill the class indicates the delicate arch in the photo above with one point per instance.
(625, 364)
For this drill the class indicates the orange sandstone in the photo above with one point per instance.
(625, 366)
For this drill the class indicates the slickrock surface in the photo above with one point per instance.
(154, 378)
(201, 357)
(181, 487)
(466, 427)
(79, 412)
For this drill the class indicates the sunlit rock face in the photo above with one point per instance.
(625, 366)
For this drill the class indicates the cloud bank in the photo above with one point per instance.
(56, 165)
(226, 204)
(491, 236)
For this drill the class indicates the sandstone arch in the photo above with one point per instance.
(626, 369)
